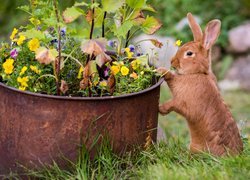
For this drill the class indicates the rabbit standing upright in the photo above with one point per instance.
(197, 97)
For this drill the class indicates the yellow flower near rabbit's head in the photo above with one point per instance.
(8, 66)
(178, 43)
(124, 70)
(13, 34)
(115, 69)
(34, 44)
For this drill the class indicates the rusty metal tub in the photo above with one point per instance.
(36, 129)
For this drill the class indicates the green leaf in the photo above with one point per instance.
(71, 14)
(151, 25)
(80, 4)
(24, 8)
(33, 33)
(124, 28)
(112, 5)
(136, 4)
(148, 8)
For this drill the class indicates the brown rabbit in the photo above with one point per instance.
(197, 97)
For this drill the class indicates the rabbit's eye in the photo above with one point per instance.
(189, 53)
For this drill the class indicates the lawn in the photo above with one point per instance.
(164, 160)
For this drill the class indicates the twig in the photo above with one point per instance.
(103, 24)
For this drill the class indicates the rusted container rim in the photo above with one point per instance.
(84, 98)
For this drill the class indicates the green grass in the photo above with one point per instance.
(164, 160)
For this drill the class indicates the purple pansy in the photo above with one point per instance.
(106, 72)
(13, 53)
(111, 43)
(131, 47)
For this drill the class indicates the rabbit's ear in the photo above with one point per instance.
(195, 27)
(211, 33)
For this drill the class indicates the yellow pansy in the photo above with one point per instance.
(35, 69)
(79, 76)
(115, 69)
(124, 70)
(178, 43)
(135, 64)
(129, 53)
(23, 81)
(103, 83)
(34, 44)
(23, 70)
(22, 88)
(133, 75)
(20, 40)
(13, 34)
(8, 66)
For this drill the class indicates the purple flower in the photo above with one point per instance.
(139, 54)
(106, 72)
(131, 47)
(13, 53)
(63, 31)
(111, 43)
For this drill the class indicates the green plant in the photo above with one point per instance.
(43, 57)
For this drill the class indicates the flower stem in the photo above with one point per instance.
(58, 60)
(103, 24)
(127, 39)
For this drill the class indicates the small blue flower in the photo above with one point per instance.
(54, 41)
(131, 47)
(139, 54)
(63, 31)
(111, 43)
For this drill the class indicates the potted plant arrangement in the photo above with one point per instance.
(62, 88)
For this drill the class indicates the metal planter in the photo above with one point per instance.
(36, 129)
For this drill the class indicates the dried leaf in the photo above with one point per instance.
(111, 84)
(85, 82)
(102, 59)
(94, 46)
(89, 16)
(64, 87)
(156, 43)
(46, 56)
(70, 14)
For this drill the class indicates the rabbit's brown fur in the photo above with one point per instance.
(197, 97)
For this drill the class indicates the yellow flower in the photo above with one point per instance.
(115, 69)
(178, 43)
(20, 40)
(34, 44)
(103, 83)
(79, 76)
(35, 21)
(129, 53)
(133, 75)
(124, 70)
(23, 70)
(13, 34)
(8, 66)
(135, 64)
(35, 69)
(23, 81)
(22, 88)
